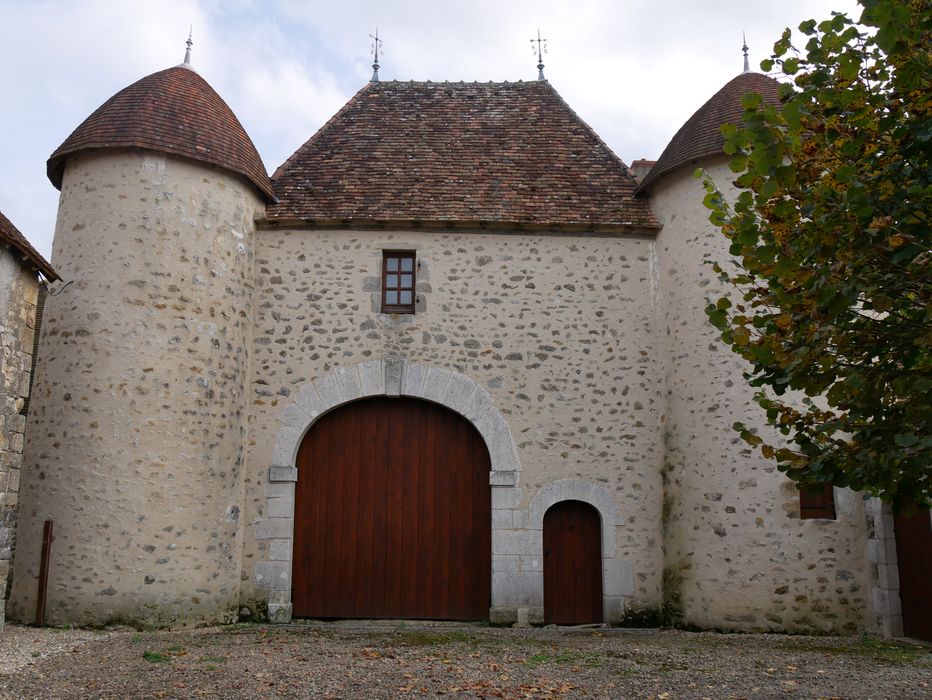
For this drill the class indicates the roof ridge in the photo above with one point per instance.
(428, 81)
(323, 129)
(467, 152)
(614, 156)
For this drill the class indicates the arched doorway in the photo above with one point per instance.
(572, 564)
(392, 514)
(914, 565)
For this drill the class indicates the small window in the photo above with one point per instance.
(398, 282)
(817, 502)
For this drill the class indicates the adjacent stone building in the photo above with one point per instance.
(21, 270)
(450, 361)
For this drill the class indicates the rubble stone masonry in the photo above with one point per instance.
(555, 328)
(135, 440)
(737, 554)
(182, 364)
(18, 290)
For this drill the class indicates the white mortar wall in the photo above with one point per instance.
(136, 434)
(737, 554)
(557, 330)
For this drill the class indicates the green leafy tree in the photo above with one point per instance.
(831, 236)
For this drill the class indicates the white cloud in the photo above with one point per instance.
(634, 70)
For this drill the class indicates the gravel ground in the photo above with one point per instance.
(379, 660)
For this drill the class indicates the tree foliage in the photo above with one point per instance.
(831, 235)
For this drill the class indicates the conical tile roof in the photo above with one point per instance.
(701, 136)
(174, 111)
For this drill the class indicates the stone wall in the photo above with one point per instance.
(737, 554)
(181, 366)
(18, 290)
(137, 428)
(557, 330)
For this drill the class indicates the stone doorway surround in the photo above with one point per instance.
(885, 578)
(884, 568)
(512, 588)
(617, 577)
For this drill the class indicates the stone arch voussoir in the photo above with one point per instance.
(387, 377)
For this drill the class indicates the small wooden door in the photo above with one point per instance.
(914, 562)
(572, 564)
(392, 514)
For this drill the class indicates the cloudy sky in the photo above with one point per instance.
(635, 70)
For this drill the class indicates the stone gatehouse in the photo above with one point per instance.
(450, 361)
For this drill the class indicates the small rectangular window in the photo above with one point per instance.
(398, 282)
(817, 502)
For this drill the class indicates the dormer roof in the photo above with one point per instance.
(498, 155)
(701, 136)
(176, 112)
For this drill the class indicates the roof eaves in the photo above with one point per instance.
(14, 239)
(55, 166)
(363, 223)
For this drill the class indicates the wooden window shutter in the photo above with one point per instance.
(817, 502)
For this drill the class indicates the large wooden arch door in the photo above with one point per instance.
(392, 514)
(914, 564)
(572, 564)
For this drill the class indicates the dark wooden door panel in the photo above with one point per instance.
(572, 564)
(914, 562)
(392, 514)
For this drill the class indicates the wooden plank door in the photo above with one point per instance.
(914, 562)
(392, 514)
(572, 564)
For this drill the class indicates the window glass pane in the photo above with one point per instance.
(392, 264)
(406, 281)
(407, 264)
(391, 280)
(405, 297)
(391, 298)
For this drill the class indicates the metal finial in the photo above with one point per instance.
(189, 43)
(374, 50)
(540, 51)
(744, 48)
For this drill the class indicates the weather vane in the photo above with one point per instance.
(540, 50)
(374, 50)
(189, 43)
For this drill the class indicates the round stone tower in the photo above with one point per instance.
(731, 520)
(137, 429)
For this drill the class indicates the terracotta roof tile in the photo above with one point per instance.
(173, 111)
(701, 135)
(459, 153)
(11, 236)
